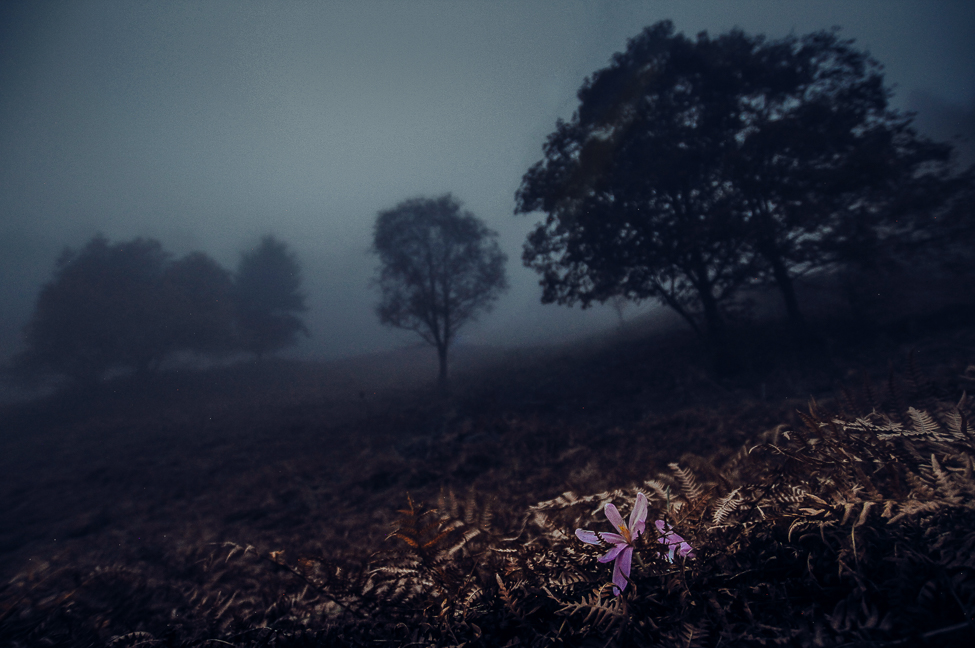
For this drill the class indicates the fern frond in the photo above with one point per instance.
(658, 487)
(916, 507)
(601, 609)
(566, 499)
(688, 482)
(726, 506)
(923, 424)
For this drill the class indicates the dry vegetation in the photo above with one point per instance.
(341, 505)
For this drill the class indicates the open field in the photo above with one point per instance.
(117, 504)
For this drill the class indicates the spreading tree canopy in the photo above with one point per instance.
(825, 170)
(694, 167)
(439, 267)
(267, 292)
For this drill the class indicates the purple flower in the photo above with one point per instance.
(622, 550)
(676, 543)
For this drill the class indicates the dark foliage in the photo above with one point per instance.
(199, 307)
(827, 172)
(635, 186)
(267, 292)
(125, 306)
(838, 530)
(695, 167)
(439, 268)
(100, 311)
(930, 242)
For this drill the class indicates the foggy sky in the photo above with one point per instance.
(207, 124)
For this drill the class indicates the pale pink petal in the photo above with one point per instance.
(614, 517)
(589, 537)
(614, 538)
(612, 553)
(638, 516)
(676, 543)
(621, 569)
(668, 537)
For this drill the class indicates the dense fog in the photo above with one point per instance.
(208, 125)
(348, 323)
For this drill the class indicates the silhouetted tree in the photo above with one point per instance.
(126, 306)
(950, 231)
(101, 310)
(439, 267)
(927, 239)
(694, 167)
(199, 305)
(267, 291)
(825, 169)
(636, 186)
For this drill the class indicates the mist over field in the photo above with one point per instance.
(206, 126)
(350, 323)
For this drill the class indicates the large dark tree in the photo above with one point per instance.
(636, 186)
(826, 170)
(439, 267)
(268, 298)
(693, 167)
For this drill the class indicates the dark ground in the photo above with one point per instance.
(317, 459)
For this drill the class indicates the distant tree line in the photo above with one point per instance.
(130, 305)
(696, 168)
(692, 171)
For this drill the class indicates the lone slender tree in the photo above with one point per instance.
(439, 268)
(267, 292)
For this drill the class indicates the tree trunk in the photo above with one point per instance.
(717, 339)
(796, 321)
(669, 300)
(714, 329)
(442, 384)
